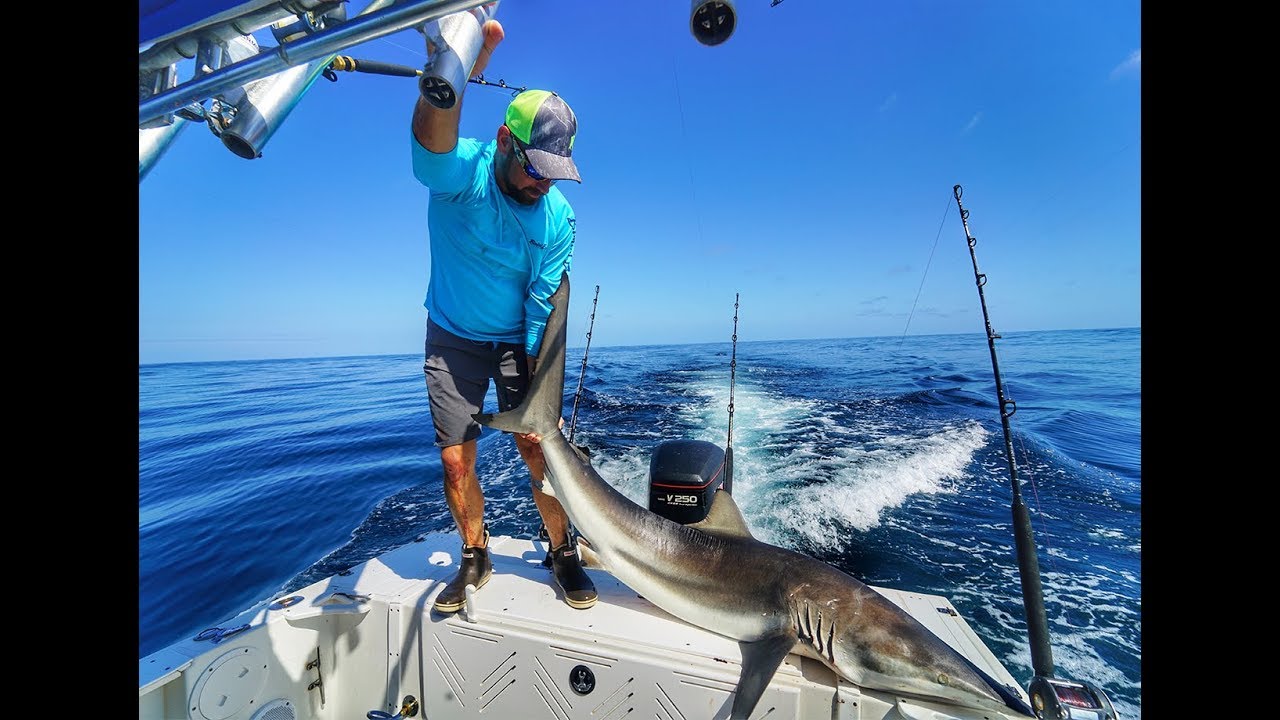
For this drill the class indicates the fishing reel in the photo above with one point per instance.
(1055, 699)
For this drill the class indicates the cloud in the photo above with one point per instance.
(1131, 65)
(936, 312)
(872, 307)
(973, 122)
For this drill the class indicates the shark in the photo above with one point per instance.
(716, 575)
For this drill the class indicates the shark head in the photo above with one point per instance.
(866, 638)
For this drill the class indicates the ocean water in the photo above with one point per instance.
(883, 456)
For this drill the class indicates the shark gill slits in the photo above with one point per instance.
(831, 642)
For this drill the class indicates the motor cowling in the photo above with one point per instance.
(683, 478)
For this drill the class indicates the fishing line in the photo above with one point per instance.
(946, 209)
(408, 50)
(693, 189)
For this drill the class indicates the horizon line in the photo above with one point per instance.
(643, 345)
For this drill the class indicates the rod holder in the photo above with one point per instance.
(154, 141)
(262, 105)
(473, 613)
(712, 21)
(453, 46)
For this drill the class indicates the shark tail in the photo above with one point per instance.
(543, 406)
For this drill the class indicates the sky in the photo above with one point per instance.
(804, 167)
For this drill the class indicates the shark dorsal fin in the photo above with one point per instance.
(724, 517)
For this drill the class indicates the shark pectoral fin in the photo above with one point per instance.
(512, 421)
(588, 555)
(582, 451)
(1007, 694)
(723, 518)
(760, 660)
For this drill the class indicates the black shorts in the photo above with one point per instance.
(458, 372)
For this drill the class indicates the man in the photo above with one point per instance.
(501, 236)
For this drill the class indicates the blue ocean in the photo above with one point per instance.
(883, 456)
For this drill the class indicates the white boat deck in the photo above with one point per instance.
(516, 655)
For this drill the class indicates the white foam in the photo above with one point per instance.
(813, 492)
(787, 478)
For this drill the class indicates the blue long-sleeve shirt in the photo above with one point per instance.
(494, 262)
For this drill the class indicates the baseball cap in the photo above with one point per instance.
(545, 126)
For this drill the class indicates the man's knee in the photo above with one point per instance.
(455, 462)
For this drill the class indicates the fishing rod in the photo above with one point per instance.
(346, 63)
(1049, 695)
(573, 418)
(733, 365)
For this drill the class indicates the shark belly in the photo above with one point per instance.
(682, 571)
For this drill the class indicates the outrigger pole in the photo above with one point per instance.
(1048, 694)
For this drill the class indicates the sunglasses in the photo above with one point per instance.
(524, 161)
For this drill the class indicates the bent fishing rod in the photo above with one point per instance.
(1049, 695)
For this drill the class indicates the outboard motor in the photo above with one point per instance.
(683, 478)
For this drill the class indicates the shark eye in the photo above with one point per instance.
(943, 679)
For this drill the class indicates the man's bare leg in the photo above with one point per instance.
(466, 501)
(566, 566)
(462, 491)
(553, 515)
